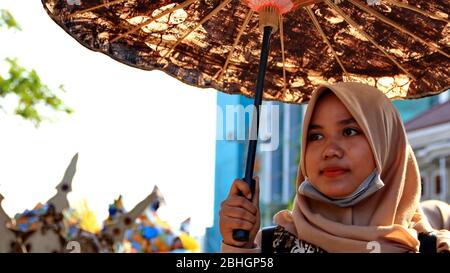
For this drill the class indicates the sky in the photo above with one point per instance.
(133, 129)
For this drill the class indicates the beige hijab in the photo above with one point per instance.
(384, 222)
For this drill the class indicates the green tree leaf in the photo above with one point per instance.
(7, 20)
(27, 86)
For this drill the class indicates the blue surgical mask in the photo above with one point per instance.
(369, 186)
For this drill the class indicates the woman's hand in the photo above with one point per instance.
(238, 212)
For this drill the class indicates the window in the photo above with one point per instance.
(422, 186)
(437, 181)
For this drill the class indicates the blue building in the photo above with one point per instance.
(230, 161)
(278, 169)
(411, 108)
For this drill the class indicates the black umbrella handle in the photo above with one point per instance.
(239, 234)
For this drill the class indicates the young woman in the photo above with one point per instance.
(358, 183)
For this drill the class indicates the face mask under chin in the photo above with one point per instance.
(368, 187)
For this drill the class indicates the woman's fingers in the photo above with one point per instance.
(241, 202)
(239, 213)
(240, 210)
(228, 224)
(240, 187)
(234, 223)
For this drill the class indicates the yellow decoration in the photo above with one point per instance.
(88, 220)
(189, 242)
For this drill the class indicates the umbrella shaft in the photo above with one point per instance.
(251, 153)
(239, 234)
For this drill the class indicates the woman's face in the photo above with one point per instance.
(338, 155)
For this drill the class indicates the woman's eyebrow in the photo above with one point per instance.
(342, 122)
(347, 121)
(314, 126)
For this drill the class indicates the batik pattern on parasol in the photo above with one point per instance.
(401, 47)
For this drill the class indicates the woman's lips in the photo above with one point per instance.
(333, 172)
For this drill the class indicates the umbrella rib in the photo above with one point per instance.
(406, 6)
(96, 7)
(236, 41)
(397, 26)
(367, 36)
(325, 39)
(280, 18)
(151, 20)
(305, 3)
(206, 18)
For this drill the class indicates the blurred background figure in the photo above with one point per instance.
(438, 213)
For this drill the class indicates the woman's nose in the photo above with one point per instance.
(331, 150)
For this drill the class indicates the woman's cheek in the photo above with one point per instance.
(312, 157)
(360, 155)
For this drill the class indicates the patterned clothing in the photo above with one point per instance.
(286, 242)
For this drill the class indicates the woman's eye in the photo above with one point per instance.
(313, 137)
(350, 132)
